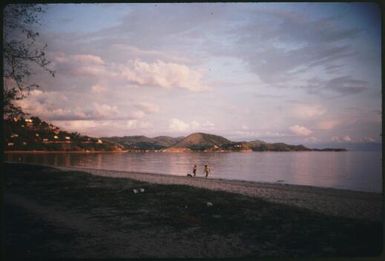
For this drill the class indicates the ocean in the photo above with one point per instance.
(352, 170)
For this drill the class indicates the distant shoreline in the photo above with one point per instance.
(132, 151)
(58, 151)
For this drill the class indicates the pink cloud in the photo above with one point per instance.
(327, 124)
(78, 58)
(88, 59)
(167, 75)
(300, 130)
(57, 106)
(345, 138)
(98, 88)
(307, 111)
(162, 74)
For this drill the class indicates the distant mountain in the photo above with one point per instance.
(278, 147)
(256, 142)
(144, 143)
(201, 141)
(167, 141)
(130, 140)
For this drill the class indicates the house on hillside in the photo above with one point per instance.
(28, 122)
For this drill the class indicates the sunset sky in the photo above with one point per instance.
(294, 72)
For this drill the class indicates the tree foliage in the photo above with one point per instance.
(22, 51)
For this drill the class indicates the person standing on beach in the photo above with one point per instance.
(207, 170)
(195, 170)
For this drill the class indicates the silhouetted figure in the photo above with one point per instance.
(195, 170)
(207, 170)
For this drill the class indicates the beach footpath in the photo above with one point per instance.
(86, 213)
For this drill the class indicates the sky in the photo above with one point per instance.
(300, 73)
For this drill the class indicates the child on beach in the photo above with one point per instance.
(195, 170)
(207, 170)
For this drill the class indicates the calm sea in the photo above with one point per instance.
(352, 170)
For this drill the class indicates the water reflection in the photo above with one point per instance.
(349, 170)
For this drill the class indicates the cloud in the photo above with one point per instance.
(147, 107)
(82, 126)
(368, 140)
(105, 110)
(306, 111)
(162, 74)
(178, 125)
(195, 125)
(293, 47)
(347, 138)
(208, 125)
(136, 124)
(87, 59)
(327, 124)
(122, 51)
(344, 85)
(78, 58)
(79, 64)
(56, 106)
(43, 103)
(104, 127)
(300, 130)
(259, 133)
(340, 139)
(98, 88)
(167, 75)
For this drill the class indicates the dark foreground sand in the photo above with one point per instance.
(52, 213)
(335, 202)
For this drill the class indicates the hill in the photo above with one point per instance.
(204, 142)
(33, 134)
(201, 141)
(144, 143)
(167, 141)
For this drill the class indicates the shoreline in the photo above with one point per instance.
(59, 151)
(154, 151)
(330, 201)
(121, 173)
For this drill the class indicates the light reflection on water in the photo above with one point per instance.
(348, 170)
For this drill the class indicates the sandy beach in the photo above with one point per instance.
(335, 202)
(63, 212)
